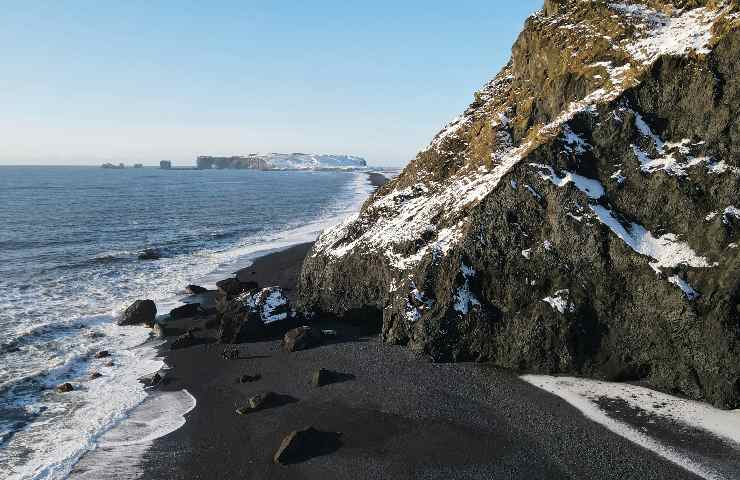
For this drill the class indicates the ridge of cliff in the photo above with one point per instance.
(581, 216)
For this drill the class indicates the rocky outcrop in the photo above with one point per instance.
(185, 311)
(246, 316)
(301, 338)
(141, 312)
(195, 289)
(150, 254)
(580, 217)
(232, 286)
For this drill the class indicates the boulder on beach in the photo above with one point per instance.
(151, 380)
(150, 254)
(141, 312)
(300, 445)
(185, 311)
(183, 341)
(257, 402)
(301, 338)
(244, 318)
(195, 289)
(65, 387)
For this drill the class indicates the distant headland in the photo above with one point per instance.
(282, 161)
(267, 161)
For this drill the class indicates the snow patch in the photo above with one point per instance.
(464, 298)
(584, 394)
(560, 301)
(687, 290)
(666, 250)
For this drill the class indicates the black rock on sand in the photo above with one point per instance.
(400, 416)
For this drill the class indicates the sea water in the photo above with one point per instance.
(69, 244)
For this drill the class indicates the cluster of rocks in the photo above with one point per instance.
(246, 313)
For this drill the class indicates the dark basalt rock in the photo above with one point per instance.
(65, 387)
(322, 377)
(150, 254)
(232, 287)
(185, 311)
(95, 375)
(536, 233)
(258, 402)
(195, 289)
(183, 341)
(102, 354)
(152, 380)
(253, 316)
(239, 324)
(301, 445)
(141, 312)
(301, 338)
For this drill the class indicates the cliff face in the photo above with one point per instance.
(581, 216)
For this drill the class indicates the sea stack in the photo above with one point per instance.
(581, 216)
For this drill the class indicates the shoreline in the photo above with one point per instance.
(397, 413)
(285, 262)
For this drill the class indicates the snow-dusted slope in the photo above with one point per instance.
(310, 161)
(601, 151)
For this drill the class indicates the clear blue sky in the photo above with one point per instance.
(91, 81)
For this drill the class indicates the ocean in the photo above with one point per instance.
(69, 247)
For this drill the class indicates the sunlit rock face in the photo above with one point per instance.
(581, 216)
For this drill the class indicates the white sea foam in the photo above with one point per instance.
(71, 318)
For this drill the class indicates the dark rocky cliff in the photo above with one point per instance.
(581, 216)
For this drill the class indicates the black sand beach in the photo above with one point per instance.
(399, 415)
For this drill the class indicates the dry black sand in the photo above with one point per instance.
(400, 416)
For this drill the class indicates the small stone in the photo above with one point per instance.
(65, 387)
(102, 354)
(150, 254)
(301, 338)
(152, 381)
(257, 402)
(249, 378)
(95, 375)
(110, 364)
